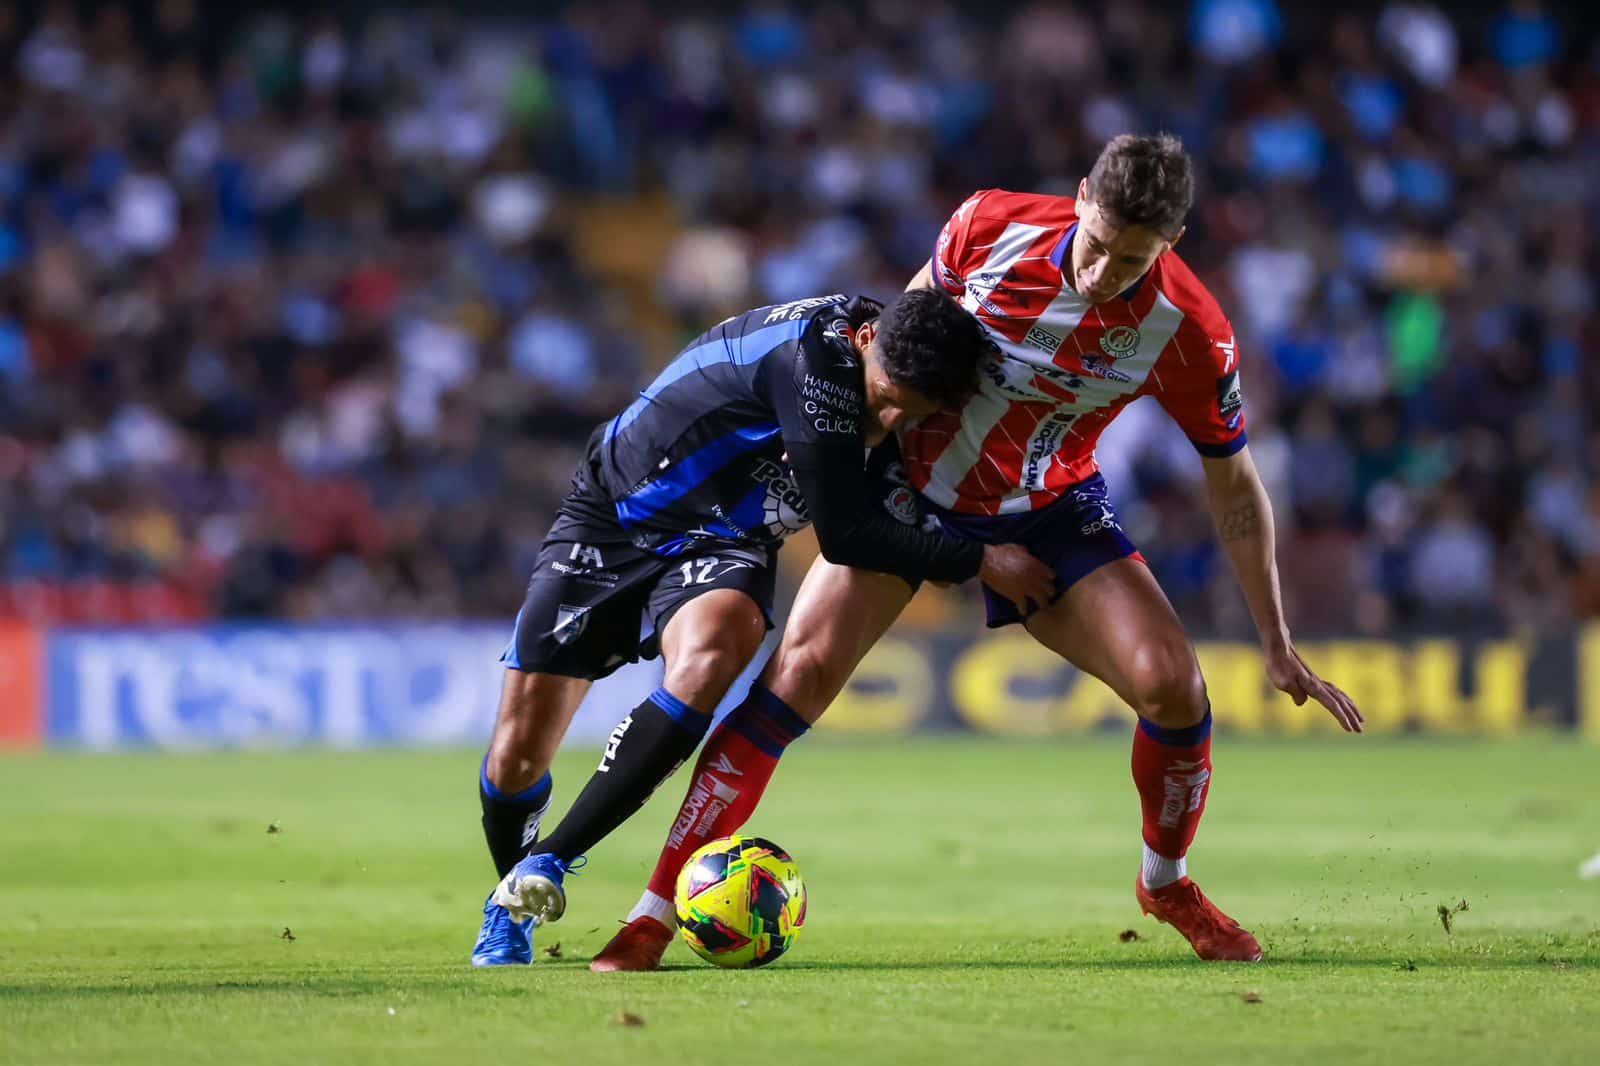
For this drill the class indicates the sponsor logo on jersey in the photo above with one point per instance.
(844, 398)
(901, 503)
(988, 307)
(1045, 443)
(570, 623)
(796, 309)
(1095, 366)
(1230, 395)
(826, 421)
(784, 511)
(1118, 342)
(1042, 339)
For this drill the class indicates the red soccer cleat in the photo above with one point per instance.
(1214, 936)
(637, 947)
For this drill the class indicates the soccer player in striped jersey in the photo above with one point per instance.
(756, 430)
(1090, 307)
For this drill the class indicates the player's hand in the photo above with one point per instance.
(1014, 572)
(1290, 673)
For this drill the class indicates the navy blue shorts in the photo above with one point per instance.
(1077, 534)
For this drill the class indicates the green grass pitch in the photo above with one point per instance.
(968, 904)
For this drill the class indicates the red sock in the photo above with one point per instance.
(1172, 768)
(729, 779)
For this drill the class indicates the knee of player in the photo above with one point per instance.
(701, 676)
(1167, 687)
(802, 678)
(511, 767)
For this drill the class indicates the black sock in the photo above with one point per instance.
(644, 750)
(511, 821)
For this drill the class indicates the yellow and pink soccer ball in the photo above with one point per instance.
(741, 902)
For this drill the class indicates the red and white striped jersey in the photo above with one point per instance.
(1068, 367)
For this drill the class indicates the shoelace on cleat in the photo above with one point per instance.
(1214, 918)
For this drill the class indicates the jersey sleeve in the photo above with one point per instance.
(1202, 390)
(821, 397)
(820, 407)
(952, 251)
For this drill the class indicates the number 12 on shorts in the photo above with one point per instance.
(705, 567)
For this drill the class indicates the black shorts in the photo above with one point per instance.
(597, 601)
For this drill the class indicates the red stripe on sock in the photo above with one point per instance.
(728, 781)
(1173, 782)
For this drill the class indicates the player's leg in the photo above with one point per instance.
(514, 791)
(838, 615)
(578, 622)
(1116, 624)
(514, 784)
(710, 611)
(706, 646)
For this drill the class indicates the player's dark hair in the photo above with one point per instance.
(1144, 181)
(928, 342)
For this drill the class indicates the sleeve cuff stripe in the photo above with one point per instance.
(1223, 450)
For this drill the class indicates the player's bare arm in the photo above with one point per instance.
(923, 278)
(1243, 516)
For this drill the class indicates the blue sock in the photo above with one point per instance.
(766, 721)
(511, 820)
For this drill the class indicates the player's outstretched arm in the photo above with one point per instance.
(923, 279)
(1243, 516)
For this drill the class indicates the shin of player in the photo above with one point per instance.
(820, 649)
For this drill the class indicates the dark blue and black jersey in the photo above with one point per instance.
(701, 452)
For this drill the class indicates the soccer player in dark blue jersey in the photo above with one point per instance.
(757, 429)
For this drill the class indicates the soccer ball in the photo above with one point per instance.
(741, 902)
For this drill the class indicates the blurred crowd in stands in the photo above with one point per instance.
(308, 317)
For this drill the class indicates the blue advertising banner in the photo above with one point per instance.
(251, 686)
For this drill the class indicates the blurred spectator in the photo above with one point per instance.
(1453, 568)
(311, 315)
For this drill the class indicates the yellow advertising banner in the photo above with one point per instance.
(1005, 683)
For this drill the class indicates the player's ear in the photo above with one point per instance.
(1176, 237)
(1083, 188)
(865, 334)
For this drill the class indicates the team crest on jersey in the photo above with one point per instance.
(901, 503)
(1120, 341)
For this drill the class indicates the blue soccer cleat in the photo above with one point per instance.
(533, 889)
(503, 941)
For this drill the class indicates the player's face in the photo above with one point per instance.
(890, 407)
(1106, 260)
